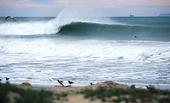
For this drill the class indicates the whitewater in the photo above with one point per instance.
(85, 49)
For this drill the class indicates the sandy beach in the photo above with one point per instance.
(84, 51)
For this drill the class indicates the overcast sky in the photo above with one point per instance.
(34, 8)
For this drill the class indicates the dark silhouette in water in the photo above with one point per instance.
(61, 82)
(135, 36)
(9, 18)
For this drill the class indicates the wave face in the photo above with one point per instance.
(39, 26)
(112, 28)
(97, 56)
(119, 31)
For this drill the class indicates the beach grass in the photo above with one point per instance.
(117, 95)
(13, 94)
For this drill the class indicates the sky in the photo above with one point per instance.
(52, 8)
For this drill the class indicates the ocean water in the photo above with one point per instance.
(130, 50)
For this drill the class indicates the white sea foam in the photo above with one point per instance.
(84, 61)
(47, 27)
(28, 28)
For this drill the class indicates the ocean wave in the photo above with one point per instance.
(82, 28)
(28, 28)
(125, 31)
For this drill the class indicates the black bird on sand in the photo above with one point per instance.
(132, 87)
(7, 78)
(60, 82)
(91, 84)
(70, 82)
(150, 88)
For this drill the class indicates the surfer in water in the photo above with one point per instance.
(135, 36)
(9, 18)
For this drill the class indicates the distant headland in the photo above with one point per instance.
(131, 15)
(168, 14)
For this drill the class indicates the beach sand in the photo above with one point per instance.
(105, 92)
(79, 98)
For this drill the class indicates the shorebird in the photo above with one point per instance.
(150, 87)
(7, 78)
(70, 82)
(91, 84)
(60, 82)
(132, 87)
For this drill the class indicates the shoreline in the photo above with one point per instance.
(105, 84)
(104, 92)
(138, 85)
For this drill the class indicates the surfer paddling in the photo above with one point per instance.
(135, 36)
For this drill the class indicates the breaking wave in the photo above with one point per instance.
(85, 27)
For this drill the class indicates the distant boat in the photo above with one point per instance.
(131, 15)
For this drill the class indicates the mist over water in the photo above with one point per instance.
(40, 27)
(84, 50)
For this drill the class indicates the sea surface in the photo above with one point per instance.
(129, 50)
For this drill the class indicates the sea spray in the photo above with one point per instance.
(46, 27)
(28, 28)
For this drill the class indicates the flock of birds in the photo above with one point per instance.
(59, 81)
(69, 82)
(6, 78)
(150, 87)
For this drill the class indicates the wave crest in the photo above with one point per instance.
(99, 28)
(28, 28)
(112, 30)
